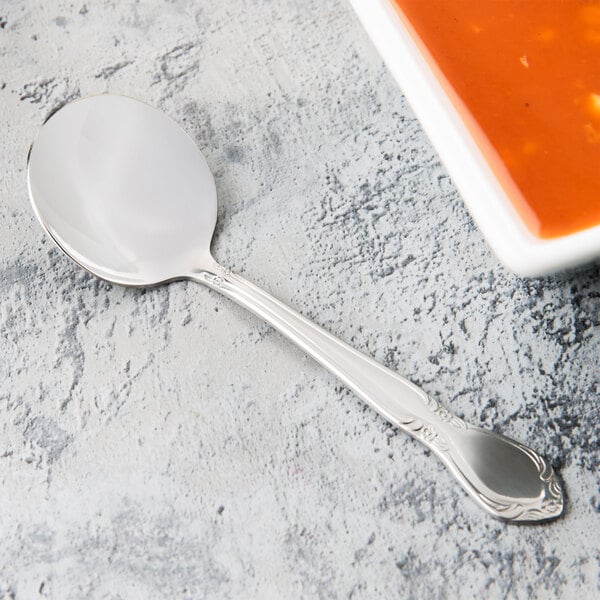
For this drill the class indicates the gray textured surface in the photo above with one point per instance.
(165, 444)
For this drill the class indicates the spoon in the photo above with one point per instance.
(126, 193)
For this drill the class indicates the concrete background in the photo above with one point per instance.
(165, 444)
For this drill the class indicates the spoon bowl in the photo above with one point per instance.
(123, 190)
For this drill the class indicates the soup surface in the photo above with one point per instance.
(525, 77)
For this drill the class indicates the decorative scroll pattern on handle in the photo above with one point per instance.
(548, 505)
(444, 414)
(221, 273)
(427, 432)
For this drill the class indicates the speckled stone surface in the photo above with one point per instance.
(166, 444)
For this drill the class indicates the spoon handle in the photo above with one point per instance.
(506, 478)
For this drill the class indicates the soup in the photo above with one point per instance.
(525, 77)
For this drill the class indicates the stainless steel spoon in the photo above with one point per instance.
(128, 196)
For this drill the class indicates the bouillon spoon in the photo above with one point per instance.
(127, 194)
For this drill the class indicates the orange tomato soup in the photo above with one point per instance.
(525, 77)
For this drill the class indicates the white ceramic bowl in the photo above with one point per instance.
(486, 200)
